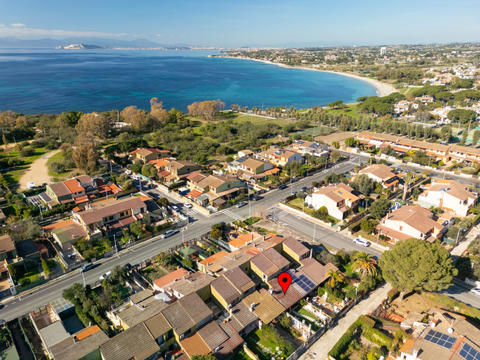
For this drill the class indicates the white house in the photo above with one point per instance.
(410, 222)
(448, 195)
(338, 199)
(382, 174)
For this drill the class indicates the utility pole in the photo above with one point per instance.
(314, 232)
(115, 242)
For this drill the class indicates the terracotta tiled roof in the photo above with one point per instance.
(170, 278)
(73, 186)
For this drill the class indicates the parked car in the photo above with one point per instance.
(283, 186)
(304, 189)
(188, 205)
(174, 207)
(241, 204)
(31, 185)
(106, 275)
(361, 242)
(87, 267)
(167, 234)
(476, 291)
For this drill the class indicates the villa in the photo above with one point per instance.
(337, 198)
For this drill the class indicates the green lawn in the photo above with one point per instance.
(307, 313)
(14, 176)
(351, 110)
(297, 203)
(268, 337)
(58, 157)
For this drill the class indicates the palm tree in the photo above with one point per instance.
(335, 277)
(365, 264)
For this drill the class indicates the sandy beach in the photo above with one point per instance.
(383, 89)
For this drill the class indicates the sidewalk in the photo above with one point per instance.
(460, 248)
(319, 350)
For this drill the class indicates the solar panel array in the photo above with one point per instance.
(469, 353)
(440, 339)
(304, 282)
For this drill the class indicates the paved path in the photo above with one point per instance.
(38, 171)
(462, 246)
(319, 350)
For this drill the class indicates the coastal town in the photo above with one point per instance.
(239, 180)
(148, 247)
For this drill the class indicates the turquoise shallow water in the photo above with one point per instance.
(34, 81)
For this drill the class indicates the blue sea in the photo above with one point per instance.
(53, 81)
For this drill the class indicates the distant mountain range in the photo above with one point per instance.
(11, 42)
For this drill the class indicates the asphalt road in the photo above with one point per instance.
(319, 234)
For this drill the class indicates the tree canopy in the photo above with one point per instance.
(416, 264)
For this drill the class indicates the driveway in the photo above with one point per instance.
(320, 349)
(38, 171)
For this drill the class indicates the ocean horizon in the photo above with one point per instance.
(54, 81)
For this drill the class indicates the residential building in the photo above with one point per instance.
(410, 222)
(135, 343)
(179, 169)
(381, 174)
(221, 339)
(161, 330)
(305, 147)
(140, 307)
(242, 319)
(79, 190)
(295, 249)
(230, 287)
(447, 336)
(305, 280)
(242, 241)
(268, 264)
(107, 216)
(449, 195)
(65, 232)
(245, 153)
(264, 305)
(49, 326)
(426, 99)
(7, 286)
(197, 282)
(187, 314)
(280, 157)
(165, 281)
(148, 154)
(85, 344)
(7, 248)
(217, 189)
(337, 198)
(403, 145)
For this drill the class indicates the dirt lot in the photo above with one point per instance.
(413, 304)
(38, 171)
(339, 136)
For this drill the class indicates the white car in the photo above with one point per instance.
(361, 242)
(188, 205)
(106, 275)
(30, 184)
(174, 207)
(476, 291)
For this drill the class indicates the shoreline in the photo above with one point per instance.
(382, 88)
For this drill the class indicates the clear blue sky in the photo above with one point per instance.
(246, 22)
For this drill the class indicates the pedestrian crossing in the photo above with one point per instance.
(230, 214)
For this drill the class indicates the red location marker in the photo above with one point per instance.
(284, 279)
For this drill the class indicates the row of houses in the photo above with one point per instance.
(401, 144)
(183, 306)
(78, 190)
